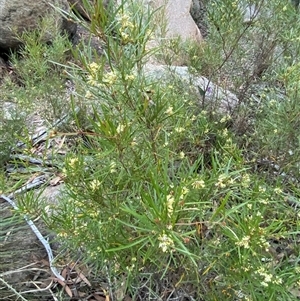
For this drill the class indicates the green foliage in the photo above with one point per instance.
(161, 185)
(260, 43)
(8, 130)
(38, 68)
(277, 132)
(40, 59)
(36, 83)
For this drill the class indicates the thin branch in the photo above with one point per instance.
(12, 289)
(38, 288)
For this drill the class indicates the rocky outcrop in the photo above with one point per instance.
(21, 255)
(208, 93)
(198, 12)
(18, 16)
(177, 19)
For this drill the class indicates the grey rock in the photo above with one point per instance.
(222, 99)
(51, 195)
(252, 12)
(8, 111)
(21, 248)
(18, 16)
(199, 14)
(175, 19)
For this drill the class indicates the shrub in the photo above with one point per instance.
(166, 198)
